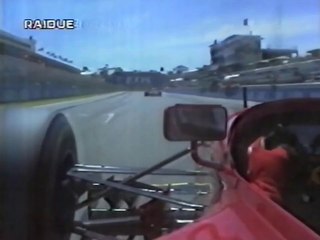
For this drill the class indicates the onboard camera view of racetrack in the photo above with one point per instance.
(159, 120)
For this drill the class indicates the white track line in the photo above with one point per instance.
(109, 117)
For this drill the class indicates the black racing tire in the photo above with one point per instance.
(53, 205)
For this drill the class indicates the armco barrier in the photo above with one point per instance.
(21, 80)
(260, 94)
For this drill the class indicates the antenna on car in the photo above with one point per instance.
(245, 97)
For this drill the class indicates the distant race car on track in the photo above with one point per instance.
(153, 92)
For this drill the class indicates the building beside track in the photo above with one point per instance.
(25, 48)
(139, 79)
(237, 51)
(240, 59)
(28, 44)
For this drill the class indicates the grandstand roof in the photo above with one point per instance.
(11, 50)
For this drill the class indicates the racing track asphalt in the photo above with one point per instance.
(125, 129)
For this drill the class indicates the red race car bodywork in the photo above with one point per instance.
(241, 212)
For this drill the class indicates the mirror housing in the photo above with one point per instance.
(195, 122)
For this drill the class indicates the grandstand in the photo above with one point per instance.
(21, 43)
(288, 70)
(27, 76)
(21, 48)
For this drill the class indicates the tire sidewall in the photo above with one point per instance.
(51, 168)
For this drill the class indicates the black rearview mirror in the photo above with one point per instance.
(194, 122)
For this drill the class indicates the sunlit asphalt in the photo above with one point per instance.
(123, 128)
(126, 130)
(119, 129)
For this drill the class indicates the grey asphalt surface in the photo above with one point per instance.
(119, 129)
(126, 130)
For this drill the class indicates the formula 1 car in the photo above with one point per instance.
(153, 93)
(241, 211)
(40, 198)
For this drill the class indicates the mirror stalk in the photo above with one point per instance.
(205, 163)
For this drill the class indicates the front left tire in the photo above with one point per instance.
(52, 202)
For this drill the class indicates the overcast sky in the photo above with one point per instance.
(148, 34)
